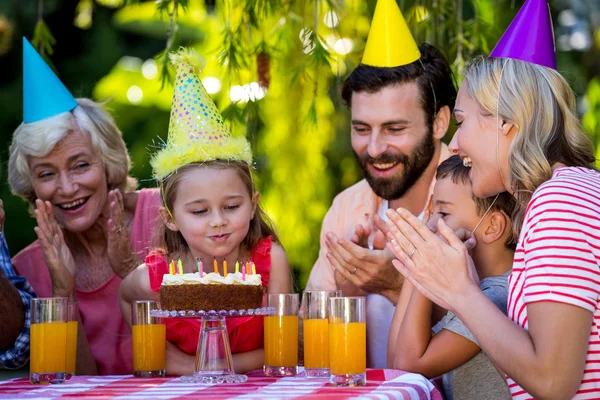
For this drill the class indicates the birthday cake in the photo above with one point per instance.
(213, 291)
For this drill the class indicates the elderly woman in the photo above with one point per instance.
(518, 131)
(93, 227)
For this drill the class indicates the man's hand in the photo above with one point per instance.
(363, 233)
(371, 271)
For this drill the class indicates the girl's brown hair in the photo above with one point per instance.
(261, 225)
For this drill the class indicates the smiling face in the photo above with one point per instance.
(213, 210)
(391, 139)
(482, 142)
(72, 178)
(455, 205)
(453, 202)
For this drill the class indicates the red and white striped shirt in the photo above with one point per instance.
(558, 259)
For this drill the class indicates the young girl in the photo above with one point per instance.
(210, 212)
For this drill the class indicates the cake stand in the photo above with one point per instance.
(214, 363)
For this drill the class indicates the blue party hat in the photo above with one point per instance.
(44, 95)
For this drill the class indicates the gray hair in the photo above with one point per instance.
(39, 138)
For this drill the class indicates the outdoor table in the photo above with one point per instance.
(381, 384)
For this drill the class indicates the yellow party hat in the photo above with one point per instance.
(390, 43)
(197, 132)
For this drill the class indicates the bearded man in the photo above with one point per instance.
(400, 113)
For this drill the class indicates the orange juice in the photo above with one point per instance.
(149, 347)
(71, 347)
(281, 341)
(316, 343)
(48, 347)
(348, 348)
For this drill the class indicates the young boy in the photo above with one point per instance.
(448, 348)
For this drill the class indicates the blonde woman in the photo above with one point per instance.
(518, 132)
(93, 227)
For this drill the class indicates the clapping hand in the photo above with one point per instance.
(57, 254)
(368, 270)
(120, 254)
(363, 232)
(438, 265)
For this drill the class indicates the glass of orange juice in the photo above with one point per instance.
(281, 335)
(149, 340)
(316, 331)
(72, 326)
(347, 341)
(48, 340)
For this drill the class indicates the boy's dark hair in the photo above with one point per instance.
(454, 169)
(260, 226)
(430, 72)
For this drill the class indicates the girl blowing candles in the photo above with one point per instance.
(518, 130)
(210, 212)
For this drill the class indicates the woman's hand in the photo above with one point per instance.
(438, 266)
(120, 254)
(57, 254)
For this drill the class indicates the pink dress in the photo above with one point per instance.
(107, 332)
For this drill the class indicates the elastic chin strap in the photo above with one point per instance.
(485, 214)
(498, 123)
(162, 193)
(432, 89)
(497, 148)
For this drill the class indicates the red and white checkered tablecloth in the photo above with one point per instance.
(381, 384)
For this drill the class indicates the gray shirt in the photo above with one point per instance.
(477, 378)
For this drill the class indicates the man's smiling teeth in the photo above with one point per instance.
(467, 162)
(383, 166)
(72, 205)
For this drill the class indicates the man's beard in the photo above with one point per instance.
(396, 186)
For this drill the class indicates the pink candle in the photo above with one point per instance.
(243, 272)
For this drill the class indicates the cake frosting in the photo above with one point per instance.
(211, 279)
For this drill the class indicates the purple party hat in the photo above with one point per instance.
(530, 36)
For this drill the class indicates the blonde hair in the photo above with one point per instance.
(39, 138)
(540, 103)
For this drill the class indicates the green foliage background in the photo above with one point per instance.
(299, 130)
